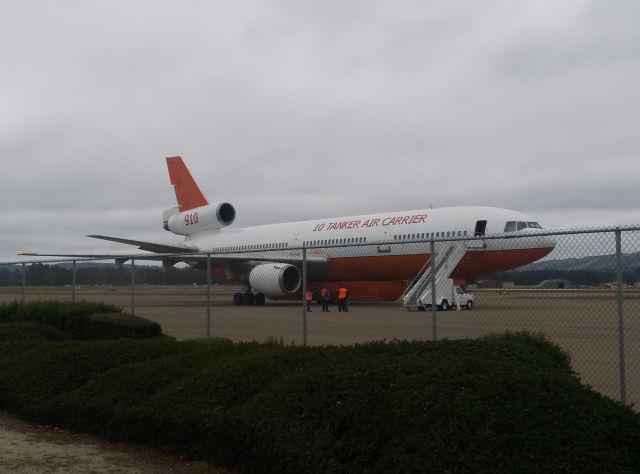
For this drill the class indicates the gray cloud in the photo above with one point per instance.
(295, 110)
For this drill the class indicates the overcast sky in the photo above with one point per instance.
(296, 110)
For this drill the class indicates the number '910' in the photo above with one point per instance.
(191, 218)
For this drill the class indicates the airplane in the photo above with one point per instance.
(354, 251)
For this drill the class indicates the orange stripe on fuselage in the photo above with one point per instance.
(383, 277)
(405, 267)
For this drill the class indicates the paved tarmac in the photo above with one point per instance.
(582, 322)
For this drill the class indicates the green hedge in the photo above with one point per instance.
(500, 404)
(12, 332)
(83, 320)
(48, 370)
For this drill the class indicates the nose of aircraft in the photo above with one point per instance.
(548, 241)
(539, 241)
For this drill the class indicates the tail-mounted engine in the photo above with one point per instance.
(209, 217)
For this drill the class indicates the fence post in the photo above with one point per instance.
(24, 280)
(73, 282)
(434, 310)
(208, 295)
(133, 285)
(619, 281)
(304, 296)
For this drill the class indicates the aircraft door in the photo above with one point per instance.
(480, 230)
(481, 227)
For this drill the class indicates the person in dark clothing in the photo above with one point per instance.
(325, 296)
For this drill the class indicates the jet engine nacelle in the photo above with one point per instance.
(275, 279)
(209, 217)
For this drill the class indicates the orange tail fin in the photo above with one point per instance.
(187, 191)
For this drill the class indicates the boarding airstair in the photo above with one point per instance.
(447, 256)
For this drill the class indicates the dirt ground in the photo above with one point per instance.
(32, 449)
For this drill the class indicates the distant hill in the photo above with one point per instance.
(600, 263)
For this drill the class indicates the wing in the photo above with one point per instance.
(224, 259)
(171, 254)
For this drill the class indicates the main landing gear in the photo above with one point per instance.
(248, 299)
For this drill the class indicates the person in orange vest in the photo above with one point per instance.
(343, 293)
(309, 298)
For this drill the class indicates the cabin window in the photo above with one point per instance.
(510, 226)
(534, 225)
(522, 225)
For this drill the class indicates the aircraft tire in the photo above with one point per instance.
(259, 299)
(238, 299)
(249, 299)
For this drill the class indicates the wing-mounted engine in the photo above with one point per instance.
(210, 217)
(275, 279)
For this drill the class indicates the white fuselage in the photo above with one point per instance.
(359, 251)
(441, 223)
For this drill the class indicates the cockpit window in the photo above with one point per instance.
(513, 226)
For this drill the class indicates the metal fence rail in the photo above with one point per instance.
(591, 308)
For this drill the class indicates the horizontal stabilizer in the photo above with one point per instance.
(148, 246)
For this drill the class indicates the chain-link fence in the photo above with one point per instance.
(581, 289)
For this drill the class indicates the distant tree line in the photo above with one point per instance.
(579, 277)
(39, 274)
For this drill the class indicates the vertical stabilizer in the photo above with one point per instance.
(187, 191)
